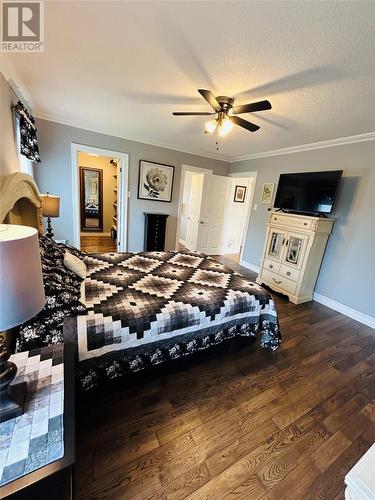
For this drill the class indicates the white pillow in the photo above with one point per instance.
(75, 264)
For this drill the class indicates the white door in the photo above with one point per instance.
(193, 211)
(215, 194)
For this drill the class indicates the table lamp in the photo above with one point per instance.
(21, 298)
(50, 208)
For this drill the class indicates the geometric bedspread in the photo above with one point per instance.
(149, 301)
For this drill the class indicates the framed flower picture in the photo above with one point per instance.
(239, 194)
(155, 181)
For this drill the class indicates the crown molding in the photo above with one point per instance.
(352, 139)
(369, 136)
(10, 74)
(150, 142)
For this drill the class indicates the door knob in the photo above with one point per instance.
(201, 222)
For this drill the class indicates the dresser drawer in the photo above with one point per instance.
(271, 265)
(288, 272)
(279, 281)
(295, 222)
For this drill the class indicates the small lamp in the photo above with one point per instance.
(21, 298)
(50, 208)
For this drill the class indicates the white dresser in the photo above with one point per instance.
(293, 254)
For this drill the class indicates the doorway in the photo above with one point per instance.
(215, 212)
(100, 179)
(204, 203)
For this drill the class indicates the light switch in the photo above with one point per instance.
(255, 206)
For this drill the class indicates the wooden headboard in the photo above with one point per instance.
(20, 202)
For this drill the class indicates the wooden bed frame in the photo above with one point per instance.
(20, 202)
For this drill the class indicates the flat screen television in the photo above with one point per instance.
(308, 192)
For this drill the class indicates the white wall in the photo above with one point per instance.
(9, 160)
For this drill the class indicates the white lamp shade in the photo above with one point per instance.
(50, 205)
(21, 280)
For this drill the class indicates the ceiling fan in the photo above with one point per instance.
(226, 113)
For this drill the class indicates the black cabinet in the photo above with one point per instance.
(155, 225)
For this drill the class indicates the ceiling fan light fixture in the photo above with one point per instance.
(225, 127)
(210, 126)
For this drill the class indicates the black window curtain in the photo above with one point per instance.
(28, 138)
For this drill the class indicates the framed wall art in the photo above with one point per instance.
(239, 194)
(267, 192)
(155, 181)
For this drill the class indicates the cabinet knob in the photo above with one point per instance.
(305, 223)
(277, 281)
(288, 273)
(270, 266)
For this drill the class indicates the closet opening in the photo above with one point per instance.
(101, 208)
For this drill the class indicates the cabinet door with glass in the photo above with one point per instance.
(276, 241)
(295, 245)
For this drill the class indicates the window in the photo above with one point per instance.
(25, 165)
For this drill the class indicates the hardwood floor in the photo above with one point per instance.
(284, 425)
(97, 244)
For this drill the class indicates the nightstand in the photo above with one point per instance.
(46, 430)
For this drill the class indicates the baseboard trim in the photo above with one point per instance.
(365, 319)
(250, 266)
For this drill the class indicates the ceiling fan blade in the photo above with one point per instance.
(244, 123)
(187, 113)
(252, 107)
(210, 98)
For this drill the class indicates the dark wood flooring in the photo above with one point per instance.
(284, 425)
(97, 244)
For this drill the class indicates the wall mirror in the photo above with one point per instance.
(91, 180)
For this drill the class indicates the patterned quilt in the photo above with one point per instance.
(148, 307)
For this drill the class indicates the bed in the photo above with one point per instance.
(92, 210)
(135, 312)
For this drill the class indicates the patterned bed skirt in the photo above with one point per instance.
(126, 367)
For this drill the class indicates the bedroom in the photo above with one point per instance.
(192, 407)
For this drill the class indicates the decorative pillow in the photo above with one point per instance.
(75, 264)
(72, 250)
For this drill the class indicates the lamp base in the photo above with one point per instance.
(49, 233)
(12, 398)
(12, 401)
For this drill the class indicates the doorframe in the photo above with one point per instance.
(122, 200)
(253, 174)
(184, 169)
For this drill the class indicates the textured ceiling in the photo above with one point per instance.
(122, 68)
